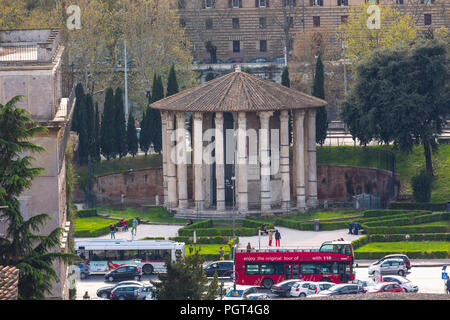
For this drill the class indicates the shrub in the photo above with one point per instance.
(85, 213)
(421, 186)
(249, 223)
(432, 206)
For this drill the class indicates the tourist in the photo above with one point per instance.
(112, 229)
(222, 256)
(86, 296)
(249, 247)
(125, 225)
(134, 226)
(277, 238)
(270, 237)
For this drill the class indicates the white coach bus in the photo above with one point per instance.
(103, 255)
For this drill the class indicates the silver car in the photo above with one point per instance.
(407, 285)
(389, 266)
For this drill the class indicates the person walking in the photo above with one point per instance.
(277, 238)
(222, 255)
(86, 296)
(447, 284)
(112, 229)
(270, 237)
(134, 227)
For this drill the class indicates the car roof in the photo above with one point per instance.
(127, 286)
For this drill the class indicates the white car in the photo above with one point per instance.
(389, 266)
(240, 293)
(300, 288)
(316, 287)
(407, 285)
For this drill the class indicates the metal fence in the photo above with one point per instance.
(18, 53)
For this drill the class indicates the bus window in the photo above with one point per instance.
(267, 269)
(251, 268)
(112, 255)
(327, 248)
(308, 268)
(98, 255)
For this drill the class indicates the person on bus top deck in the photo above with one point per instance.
(249, 247)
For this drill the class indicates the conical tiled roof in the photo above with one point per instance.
(238, 91)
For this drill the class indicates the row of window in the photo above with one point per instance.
(254, 268)
(235, 4)
(99, 255)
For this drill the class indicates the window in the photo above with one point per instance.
(235, 3)
(209, 4)
(317, 3)
(236, 46)
(427, 19)
(235, 23)
(290, 22)
(267, 269)
(426, 1)
(181, 4)
(182, 24)
(262, 23)
(316, 21)
(208, 23)
(344, 19)
(342, 2)
(308, 268)
(262, 3)
(290, 3)
(263, 45)
(251, 268)
(399, 1)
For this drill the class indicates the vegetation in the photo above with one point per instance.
(421, 186)
(319, 92)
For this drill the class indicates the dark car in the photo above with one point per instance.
(396, 256)
(105, 292)
(123, 273)
(234, 60)
(341, 289)
(84, 270)
(283, 288)
(258, 60)
(224, 268)
(129, 292)
(279, 59)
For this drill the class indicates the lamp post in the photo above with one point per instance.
(233, 180)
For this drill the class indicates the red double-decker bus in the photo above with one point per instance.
(333, 262)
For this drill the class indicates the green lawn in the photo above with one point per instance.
(92, 223)
(436, 224)
(209, 249)
(405, 246)
(156, 214)
(314, 215)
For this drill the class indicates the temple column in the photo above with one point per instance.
(312, 201)
(164, 153)
(300, 159)
(284, 160)
(264, 160)
(172, 195)
(181, 161)
(198, 160)
(220, 169)
(242, 175)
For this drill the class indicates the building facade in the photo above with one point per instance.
(248, 29)
(30, 65)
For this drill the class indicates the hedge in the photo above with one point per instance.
(249, 223)
(85, 213)
(412, 237)
(432, 206)
(410, 220)
(406, 229)
(294, 224)
(202, 240)
(378, 213)
(200, 225)
(220, 231)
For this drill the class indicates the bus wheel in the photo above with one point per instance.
(326, 280)
(267, 283)
(147, 269)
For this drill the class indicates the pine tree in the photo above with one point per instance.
(285, 81)
(107, 131)
(172, 83)
(213, 288)
(120, 127)
(31, 253)
(319, 92)
(132, 140)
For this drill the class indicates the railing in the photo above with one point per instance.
(68, 119)
(18, 53)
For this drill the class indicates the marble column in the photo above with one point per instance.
(300, 159)
(172, 194)
(164, 154)
(220, 167)
(312, 201)
(198, 159)
(181, 161)
(264, 156)
(284, 160)
(242, 175)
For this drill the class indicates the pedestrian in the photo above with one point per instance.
(350, 227)
(125, 225)
(86, 296)
(222, 257)
(249, 247)
(447, 283)
(112, 229)
(277, 238)
(263, 228)
(270, 237)
(134, 226)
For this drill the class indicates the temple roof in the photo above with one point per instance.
(238, 91)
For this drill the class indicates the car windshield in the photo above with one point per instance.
(379, 286)
(335, 288)
(235, 293)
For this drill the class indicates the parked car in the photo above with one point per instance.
(234, 60)
(128, 292)
(341, 289)
(279, 59)
(224, 268)
(316, 287)
(300, 288)
(105, 292)
(368, 283)
(123, 273)
(407, 285)
(396, 256)
(145, 293)
(240, 293)
(258, 60)
(388, 266)
(84, 270)
(283, 288)
(257, 296)
(386, 287)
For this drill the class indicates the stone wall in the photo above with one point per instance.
(334, 184)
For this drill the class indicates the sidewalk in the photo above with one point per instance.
(414, 263)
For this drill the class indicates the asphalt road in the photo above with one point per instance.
(427, 278)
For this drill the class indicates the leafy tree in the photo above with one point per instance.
(184, 280)
(401, 95)
(31, 253)
(120, 127)
(107, 131)
(319, 92)
(132, 139)
(172, 83)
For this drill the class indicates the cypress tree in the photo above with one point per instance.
(120, 128)
(82, 128)
(172, 83)
(144, 136)
(285, 81)
(107, 132)
(90, 121)
(132, 140)
(79, 94)
(154, 116)
(96, 155)
(319, 92)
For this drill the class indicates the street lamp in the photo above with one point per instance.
(233, 180)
